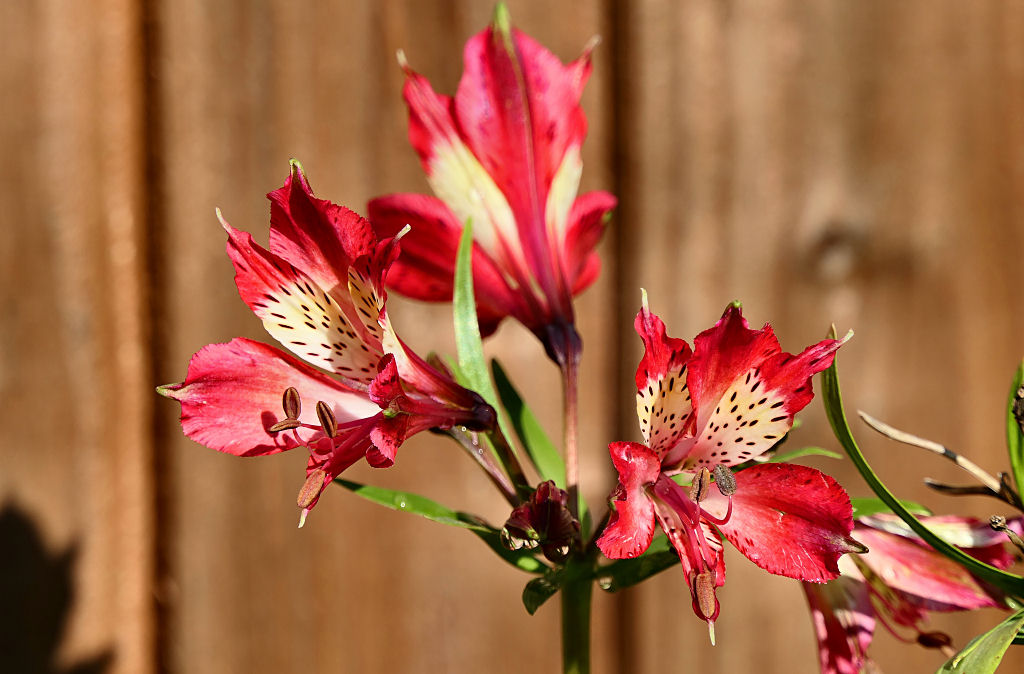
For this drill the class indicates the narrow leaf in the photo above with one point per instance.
(432, 510)
(806, 451)
(626, 572)
(833, 401)
(863, 507)
(535, 441)
(985, 651)
(1014, 431)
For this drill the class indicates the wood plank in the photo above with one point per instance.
(75, 394)
(849, 162)
(245, 87)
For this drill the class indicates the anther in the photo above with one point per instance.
(704, 589)
(285, 425)
(998, 522)
(291, 403)
(327, 420)
(700, 485)
(725, 480)
(934, 640)
(311, 488)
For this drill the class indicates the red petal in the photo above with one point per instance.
(386, 386)
(746, 390)
(844, 623)
(320, 328)
(232, 394)
(320, 238)
(631, 527)
(662, 400)
(387, 436)
(425, 269)
(790, 520)
(922, 575)
(586, 225)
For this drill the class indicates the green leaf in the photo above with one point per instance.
(863, 507)
(833, 401)
(985, 651)
(535, 441)
(432, 510)
(806, 451)
(539, 590)
(626, 572)
(1014, 432)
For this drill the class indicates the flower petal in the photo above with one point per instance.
(316, 236)
(425, 269)
(844, 624)
(297, 312)
(790, 520)
(631, 527)
(925, 577)
(746, 391)
(587, 219)
(662, 399)
(232, 395)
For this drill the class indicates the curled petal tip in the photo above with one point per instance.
(402, 232)
(643, 300)
(403, 62)
(735, 304)
(502, 22)
(167, 390)
(302, 517)
(591, 45)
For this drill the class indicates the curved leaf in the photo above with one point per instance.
(432, 510)
(985, 651)
(535, 441)
(1014, 430)
(863, 507)
(623, 573)
(833, 401)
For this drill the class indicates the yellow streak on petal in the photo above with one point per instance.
(564, 187)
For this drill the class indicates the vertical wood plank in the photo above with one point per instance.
(246, 86)
(831, 161)
(75, 396)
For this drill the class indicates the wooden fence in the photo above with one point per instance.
(855, 162)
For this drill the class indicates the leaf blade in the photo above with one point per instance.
(985, 651)
(1014, 431)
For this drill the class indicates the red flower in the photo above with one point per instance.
(896, 583)
(319, 292)
(725, 403)
(504, 153)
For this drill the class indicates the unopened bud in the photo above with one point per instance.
(700, 485)
(725, 480)
(311, 488)
(291, 403)
(284, 425)
(327, 420)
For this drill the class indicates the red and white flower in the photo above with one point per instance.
(319, 291)
(702, 412)
(503, 154)
(897, 583)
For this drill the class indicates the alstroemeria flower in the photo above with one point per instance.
(726, 402)
(897, 583)
(504, 153)
(319, 291)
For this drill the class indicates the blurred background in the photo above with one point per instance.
(860, 163)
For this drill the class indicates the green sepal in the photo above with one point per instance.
(985, 651)
(1014, 432)
(432, 510)
(832, 398)
(545, 456)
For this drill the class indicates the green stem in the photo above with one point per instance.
(576, 595)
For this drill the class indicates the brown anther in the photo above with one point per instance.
(284, 425)
(291, 403)
(725, 480)
(704, 589)
(998, 522)
(327, 420)
(934, 639)
(1018, 408)
(700, 485)
(311, 488)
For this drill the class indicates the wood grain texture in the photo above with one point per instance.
(849, 162)
(74, 365)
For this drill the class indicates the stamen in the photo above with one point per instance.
(327, 420)
(725, 480)
(700, 485)
(284, 425)
(291, 403)
(998, 522)
(704, 590)
(311, 488)
(939, 640)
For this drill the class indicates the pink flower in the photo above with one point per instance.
(723, 404)
(504, 153)
(896, 583)
(319, 292)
